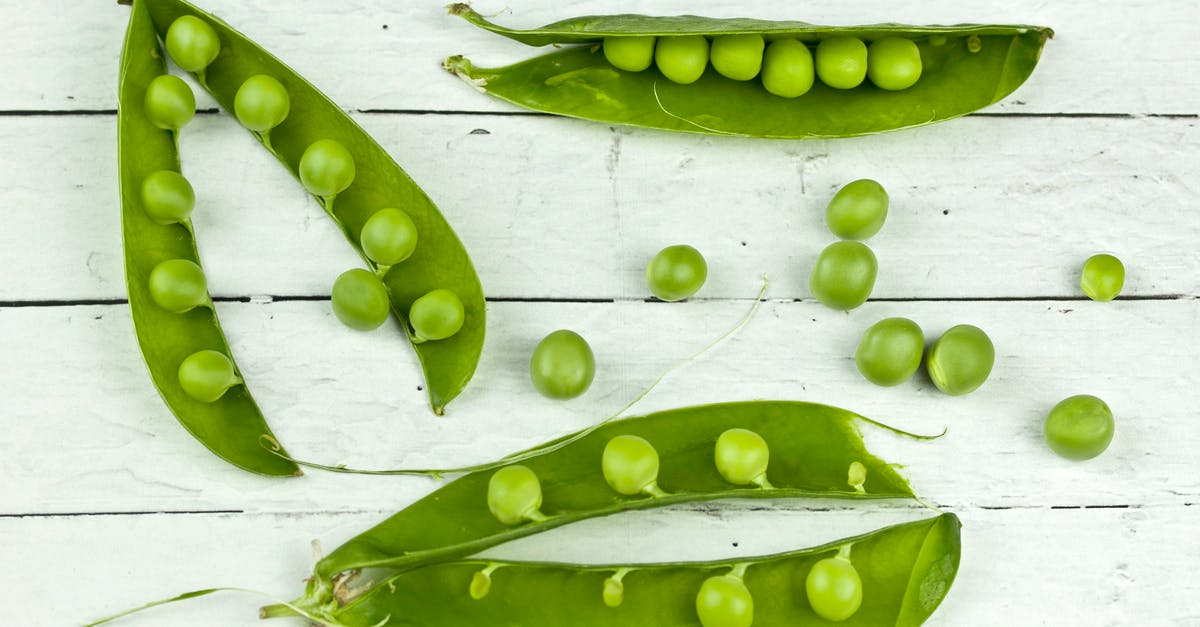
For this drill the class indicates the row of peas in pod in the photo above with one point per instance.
(787, 67)
(630, 466)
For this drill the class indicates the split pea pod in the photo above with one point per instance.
(903, 573)
(176, 326)
(775, 79)
(354, 179)
(755, 449)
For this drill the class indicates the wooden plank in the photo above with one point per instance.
(85, 431)
(547, 218)
(1129, 58)
(1019, 566)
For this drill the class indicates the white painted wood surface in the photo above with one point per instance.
(106, 503)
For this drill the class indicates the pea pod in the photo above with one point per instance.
(906, 570)
(373, 183)
(814, 450)
(965, 68)
(172, 314)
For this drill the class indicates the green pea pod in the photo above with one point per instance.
(813, 450)
(232, 425)
(966, 67)
(906, 570)
(439, 260)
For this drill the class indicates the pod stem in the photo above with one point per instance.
(278, 609)
(271, 444)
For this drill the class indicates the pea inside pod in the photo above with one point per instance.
(956, 70)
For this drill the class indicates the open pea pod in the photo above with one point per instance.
(439, 260)
(904, 573)
(801, 450)
(230, 426)
(964, 68)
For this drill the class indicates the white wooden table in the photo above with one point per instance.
(106, 503)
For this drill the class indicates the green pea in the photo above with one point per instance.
(261, 103)
(857, 210)
(724, 601)
(562, 365)
(360, 300)
(894, 63)
(682, 58)
(676, 273)
(842, 62)
(1102, 278)
(632, 54)
(169, 103)
(326, 168)
(741, 456)
(844, 275)
(388, 237)
(739, 57)
(961, 360)
(890, 351)
(630, 464)
(514, 495)
(787, 69)
(834, 589)
(178, 285)
(1079, 427)
(436, 315)
(206, 375)
(167, 197)
(192, 43)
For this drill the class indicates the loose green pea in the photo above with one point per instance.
(436, 315)
(741, 456)
(261, 103)
(388, 237)
(192, 43)
(169, 103)
(178, 285)
(890, 351)
(326, 168)
(724, 601)
(857, 210)
(682, 58)
(842, 62)
(630, 464)
(1102, 278)
(632, 54)
(1079, 427)
(206, 375)
(514, 495)
(787, 69)
(844, 275)
(739, 57)
(360, 299)
(167, 197)
(834, 589)
(676, 273)
(562, 365)
(961, 360)
(894, 63)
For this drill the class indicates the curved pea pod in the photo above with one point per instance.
(232, 425)
(439, 260)
(965, 68)
(813, 449)
(906, 571)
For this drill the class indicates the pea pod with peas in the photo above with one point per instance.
(417, 266)
(776, 79)
(176, 325)
(897, 575)
(753, 449)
